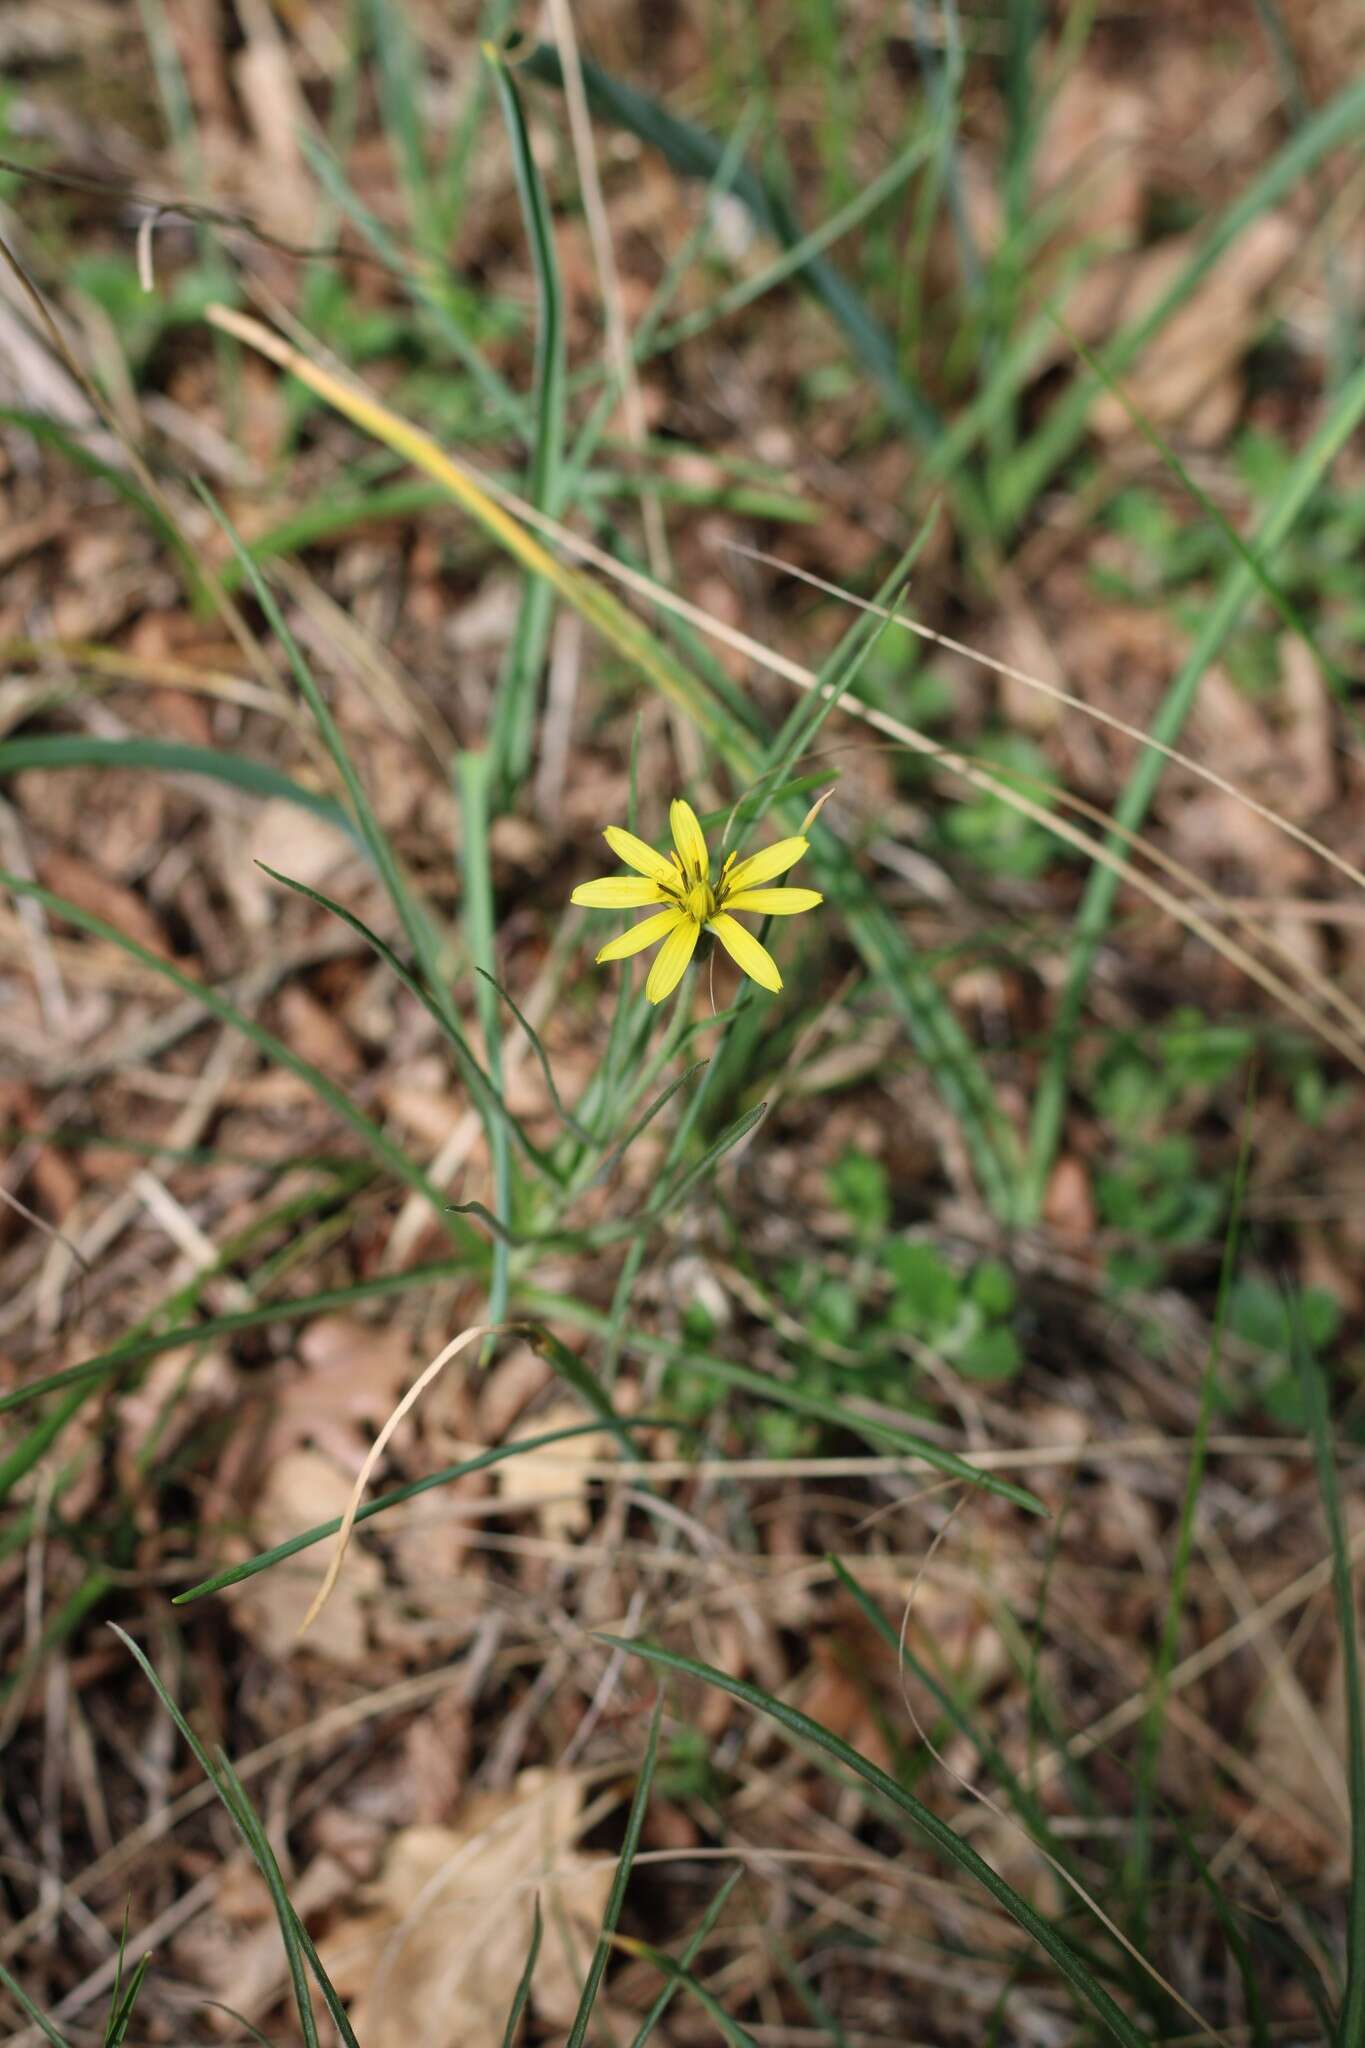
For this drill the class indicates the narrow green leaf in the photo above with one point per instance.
(614, 1157)
(239, 1810)
(486, 1092)
(1097, 903)
(523, 1990)
(26, 2005)
(691, 1951)
(682, 1979)
(472, 770)
(168, 757)
(695, 154)
(1350, 2028)
(370, 1135)
(533, 1039)
(566, 1309)
(620, 1879)
(233, 1575)
(514, 709)
(1082, 1980)
(730, 1137)
(1337, 124)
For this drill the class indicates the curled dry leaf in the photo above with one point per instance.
(436, 1950)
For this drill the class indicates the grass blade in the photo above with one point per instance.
(1097, 904)
(293, 1309)
(226, 1785)
(1338, 123)
(26, 2005)
(614, 1157)
(1081, 1979)
(693, 153)
(685, 1960)
(566, 1309)
(1350, 2027)
(514, 710)
(523, 1990)
(486, 1093)
(472, 787)
(617, 1896)
(712, 1156)
(371, 1136)
(168, 757)
(233, 1575)
(680, 1978)
(565, 1116)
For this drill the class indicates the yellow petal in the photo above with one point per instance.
(673, 956)
(762, 867)
(689, 838)
(636, 854)
(744, 949)
(641, 935)
(617, 892)
(772, 902)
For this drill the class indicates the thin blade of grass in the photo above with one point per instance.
(26, 2006)
(565, 1116)
(1097, 904)
(731, 1136)
(233, 1575)
(680, 1978)
(523, 1990)
(1081, 1979)
(1026, 1803)
(121, 2008)
(566, 1309)
(244, 1820)
(1350, 2024)
(632, 640)
(693, 153)
(1270, 589)
(689, 1954)
(514, 708)
(1138, 1869)
(574, 1373)
(371, 1136)
(620, 1879)
(472, 787)
(487, 1093)
(1338, 123)
(661, 1100)
(169, 757)
(295, 1308)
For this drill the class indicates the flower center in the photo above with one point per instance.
(700, 902)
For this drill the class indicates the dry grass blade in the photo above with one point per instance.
(982, 779)
(1061, 696)
(508, 517)
(376, 1452)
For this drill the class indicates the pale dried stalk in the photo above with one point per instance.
(375, 1453)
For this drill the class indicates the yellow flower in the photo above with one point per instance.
(693, 902)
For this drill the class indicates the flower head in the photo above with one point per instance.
(692, 903)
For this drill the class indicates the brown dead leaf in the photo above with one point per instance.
(296, 842)
(102, 896)
(318, 1034)
(1300, 1747)
(552, 1478)
(304, 1488)
(1189, 371)
(435, 1953)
